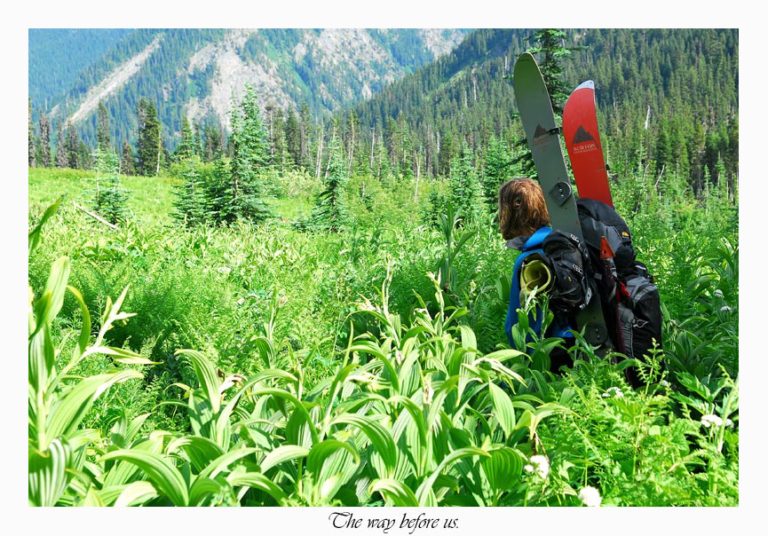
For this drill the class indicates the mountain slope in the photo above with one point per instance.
(197, 73)
(57, 57)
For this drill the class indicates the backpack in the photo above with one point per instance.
(630, 299)
(568, 260)
(604, 264)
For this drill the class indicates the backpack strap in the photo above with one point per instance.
(532, 246)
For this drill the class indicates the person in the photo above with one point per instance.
(524, 223)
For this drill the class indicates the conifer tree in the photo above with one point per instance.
(102, 129)
(466, 193)
(61, 148)
(330, 208)
(127, 166)
(214, 143)
(110, 197)
(250, 156)
(45, 141)
(218, 193)
(72, 147)
(496, 169)
(148, 149)
(186, 147)
(190, 204)
(293, 137)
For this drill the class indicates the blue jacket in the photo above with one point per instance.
(532, 245)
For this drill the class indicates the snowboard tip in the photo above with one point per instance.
(588, 84)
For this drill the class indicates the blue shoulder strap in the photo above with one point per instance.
(531, 246)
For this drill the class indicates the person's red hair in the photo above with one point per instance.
(522, 208)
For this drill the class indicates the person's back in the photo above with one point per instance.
(524, 224)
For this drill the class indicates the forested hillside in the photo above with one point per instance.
(665, 97)
(57, 57)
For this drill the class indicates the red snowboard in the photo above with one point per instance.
(582, 139)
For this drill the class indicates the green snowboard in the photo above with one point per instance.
(538, 120)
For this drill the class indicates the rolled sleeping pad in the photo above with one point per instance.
(535, 274)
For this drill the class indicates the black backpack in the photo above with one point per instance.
(629, 297)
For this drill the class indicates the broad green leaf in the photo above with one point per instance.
(68, 413)
(373, 349)
(279, 393)
(85, 328)
(47, 473)
(503, 409)
(163, 475)
(503, 468)
(224, 461)
(394, 492)
(136, 493)
(206, 375)
(200, 450)
(323, 450)
(380, 438)
(35, 233)
(257, 481)
(282, 454)
(203, 488)
(425, 493)
(49, 304)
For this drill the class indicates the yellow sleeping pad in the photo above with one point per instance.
(535, 274)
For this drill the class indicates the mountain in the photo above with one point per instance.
(197, 73)
(57, 57)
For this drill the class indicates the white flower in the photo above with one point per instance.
(224, 270)
(718, 293)
(590, 496)
(241, 301)
(613, 392)
(711, 420)
(725, 309)
(539, 465)
(665, 383)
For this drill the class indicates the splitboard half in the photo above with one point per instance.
(582, 140)
(538, 120)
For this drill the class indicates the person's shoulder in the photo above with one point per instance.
(536, 239)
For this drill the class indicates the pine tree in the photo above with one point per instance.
(466, 194)
(186, 147)
(110, 197)
(250, 156)
(72, 147)
(214, 143)
(549, 44)
(148, 147)
(190, 203)
(219, 203)
(293, 137)
(496, 169)
(45, 141)
(61, 147)
(102, 129)
(330, 208)
(127, 166)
